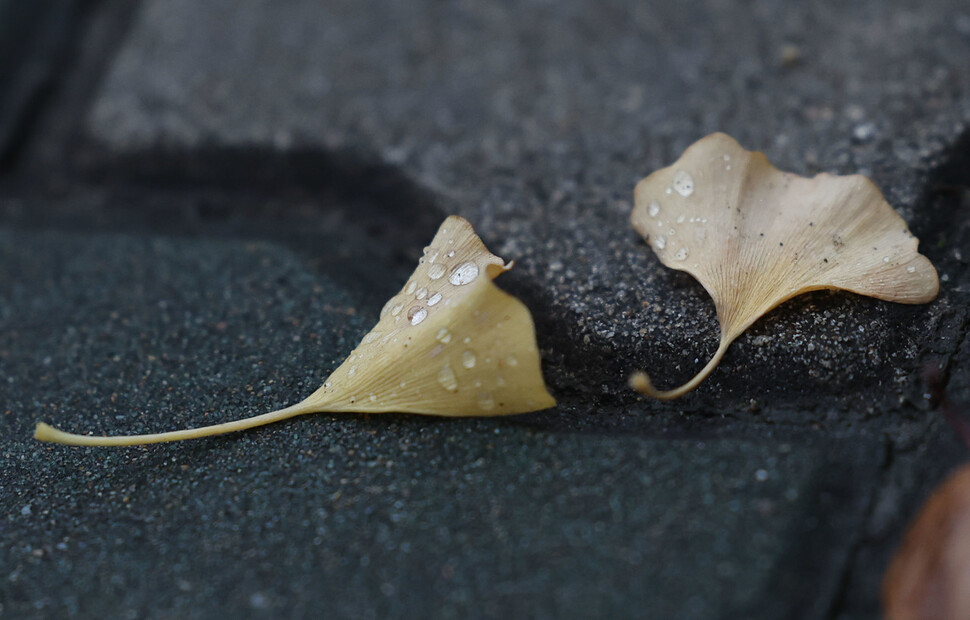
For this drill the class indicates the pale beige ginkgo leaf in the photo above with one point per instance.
(450, 343)
(755, 237)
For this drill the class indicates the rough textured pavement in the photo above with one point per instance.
(214, 200)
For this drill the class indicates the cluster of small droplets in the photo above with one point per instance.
(415, 308)
(466, 368)
(463, 274)
(683, 184)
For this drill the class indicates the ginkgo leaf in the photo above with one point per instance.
(450, 343)
(755, 237)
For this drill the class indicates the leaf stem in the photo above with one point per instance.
(640, 381)
(45, 432)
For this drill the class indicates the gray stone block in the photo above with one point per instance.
(535, 120)
(383, 516)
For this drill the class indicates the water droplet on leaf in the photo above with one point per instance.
(417, 314)
(464, 274)
(447, 378)
(683, 183)
(436, 271)
(485, 401)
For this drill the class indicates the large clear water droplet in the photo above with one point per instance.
(464, 274)
(411, 286)
(435, 298)
(683, 183)
(443, 336)
(468, 359)
(421, 294)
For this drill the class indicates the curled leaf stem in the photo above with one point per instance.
(640, 381)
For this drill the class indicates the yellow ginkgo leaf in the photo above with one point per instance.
(755, 237)
(451, 343)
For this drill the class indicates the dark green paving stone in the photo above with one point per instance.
(176, 329)
(382, 516)
(404, 518)
(535, 120)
